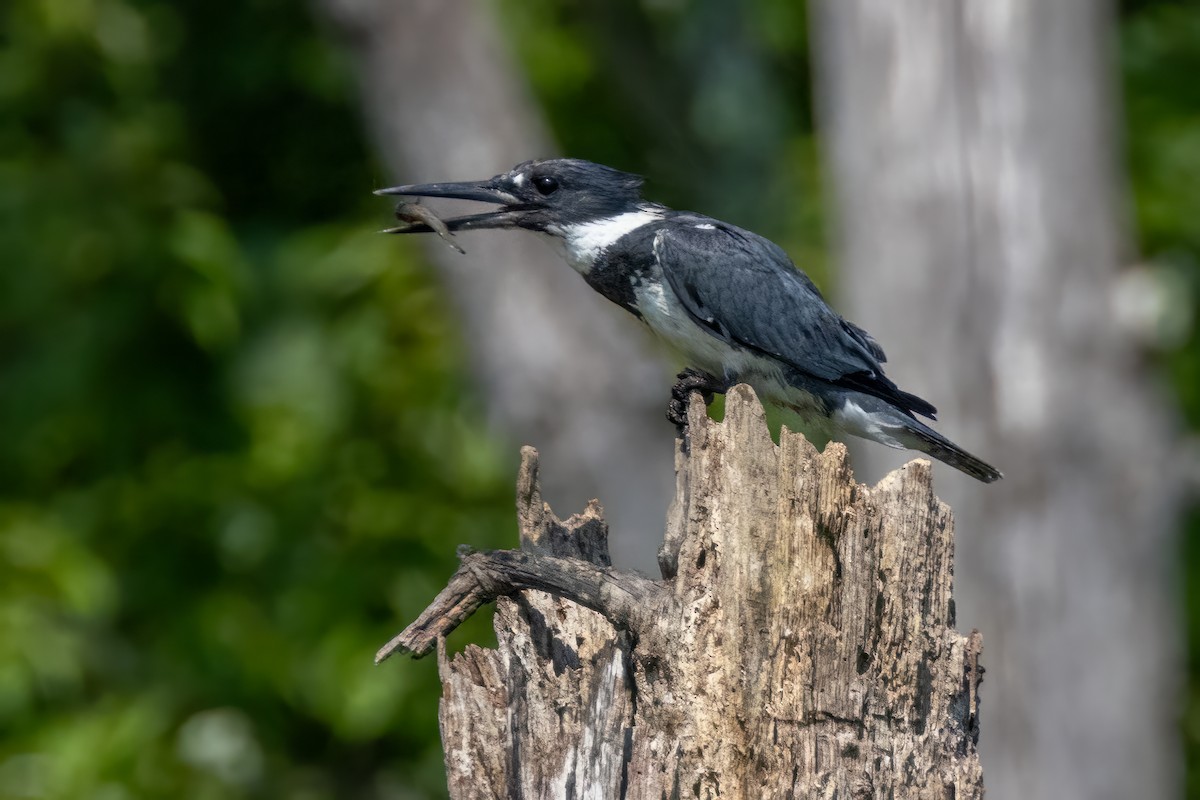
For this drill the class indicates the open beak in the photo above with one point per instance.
(481, 191)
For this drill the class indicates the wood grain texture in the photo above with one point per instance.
(803, 645)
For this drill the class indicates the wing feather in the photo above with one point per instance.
(744, 289)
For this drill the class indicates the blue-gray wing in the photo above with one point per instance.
(744, 289)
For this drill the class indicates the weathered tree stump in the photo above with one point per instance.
(800, 643)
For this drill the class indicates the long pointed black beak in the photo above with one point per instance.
(481, 191)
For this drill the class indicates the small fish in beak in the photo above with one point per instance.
(419, 219)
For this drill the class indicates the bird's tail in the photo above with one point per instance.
(875, 419)
(921, 437)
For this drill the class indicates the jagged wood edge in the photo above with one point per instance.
(629, 601)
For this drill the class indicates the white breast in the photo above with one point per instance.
(667, 317)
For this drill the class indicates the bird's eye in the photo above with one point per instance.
(546, 184)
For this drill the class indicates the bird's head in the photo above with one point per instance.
(543, 196)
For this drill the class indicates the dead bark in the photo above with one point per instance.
(972, 156)
(800, 645)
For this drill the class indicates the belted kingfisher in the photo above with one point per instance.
(730, 302)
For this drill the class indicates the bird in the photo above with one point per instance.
(729, 302)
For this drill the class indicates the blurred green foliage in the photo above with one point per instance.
(235, 449)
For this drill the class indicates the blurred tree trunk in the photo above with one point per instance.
(558, 366)
(972, 154)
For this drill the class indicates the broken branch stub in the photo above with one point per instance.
(800, 645)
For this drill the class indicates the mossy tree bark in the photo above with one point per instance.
(799, 644)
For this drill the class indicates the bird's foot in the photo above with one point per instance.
(686, 382)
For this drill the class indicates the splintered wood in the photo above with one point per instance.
(802, 644)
